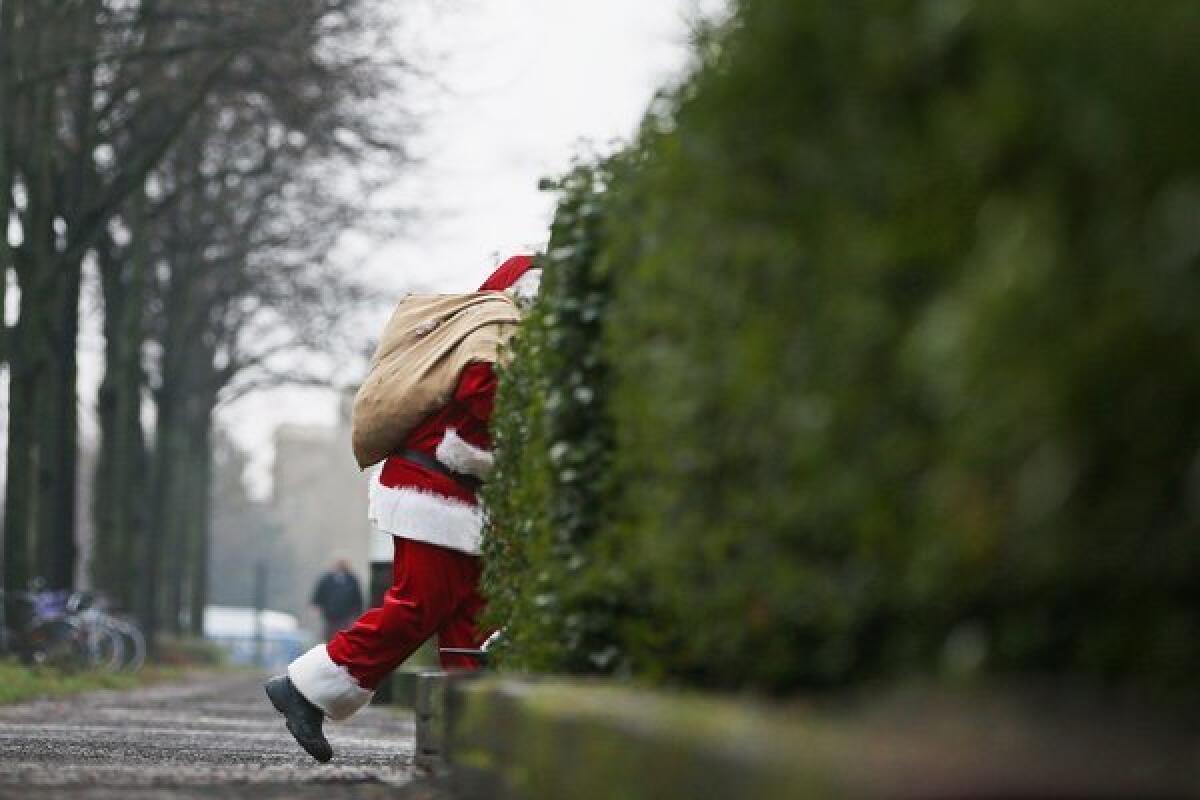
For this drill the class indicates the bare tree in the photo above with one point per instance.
(207, 155)
(244, 212)
(75, 155)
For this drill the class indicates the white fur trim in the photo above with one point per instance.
(426, 517)
(461, 456)
(327, 685)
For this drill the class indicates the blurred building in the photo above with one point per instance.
(247, 540)
(320, 502)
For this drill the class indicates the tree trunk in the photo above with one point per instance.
(30, 336)
(160, 485)
(23, 359)
(15, 556)
(43, 391)
(28, 362)
(186, 529)
(58, 436)
(177, 523)
(59, 428)
(18, 493)
(169, 399)
(200, 504)
(203, 529)
(119, 507)
(7, 77)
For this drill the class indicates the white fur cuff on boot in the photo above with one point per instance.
(327, 685)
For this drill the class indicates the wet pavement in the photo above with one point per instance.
(216, 736)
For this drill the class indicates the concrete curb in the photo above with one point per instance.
(512, 739)
(402, 686)
(429, 707)
(543, 739)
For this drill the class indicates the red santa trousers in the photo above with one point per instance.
(435, 590)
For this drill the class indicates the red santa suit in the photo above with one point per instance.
(436, 524)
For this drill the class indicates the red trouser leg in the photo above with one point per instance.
(432, 588)
(461, 630)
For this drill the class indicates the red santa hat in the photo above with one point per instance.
(507, 274)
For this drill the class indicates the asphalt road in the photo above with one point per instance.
(216, 736)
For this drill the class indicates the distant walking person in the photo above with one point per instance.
(339, 597)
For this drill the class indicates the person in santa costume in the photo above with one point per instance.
(426, 497)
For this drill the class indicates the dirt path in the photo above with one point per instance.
(213, 737)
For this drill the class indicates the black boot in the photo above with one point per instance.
(303, 718)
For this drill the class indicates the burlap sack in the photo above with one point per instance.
(423, 350)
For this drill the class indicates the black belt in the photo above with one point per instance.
(468, 482)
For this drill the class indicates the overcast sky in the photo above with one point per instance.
(518, 88)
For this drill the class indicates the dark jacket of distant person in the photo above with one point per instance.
(338, 594)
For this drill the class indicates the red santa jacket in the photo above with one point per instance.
(413, 501)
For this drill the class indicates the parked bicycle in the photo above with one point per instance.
(65, 629)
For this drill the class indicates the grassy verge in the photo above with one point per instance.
(175, 658)
(19, 683)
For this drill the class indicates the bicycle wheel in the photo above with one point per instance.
(105, 644)
(58, 643)
(134, 651)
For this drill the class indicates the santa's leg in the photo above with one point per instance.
(337, 679)
(462, 631)
(340, 677)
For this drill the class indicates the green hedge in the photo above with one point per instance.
(549, 493)
(904, 347)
